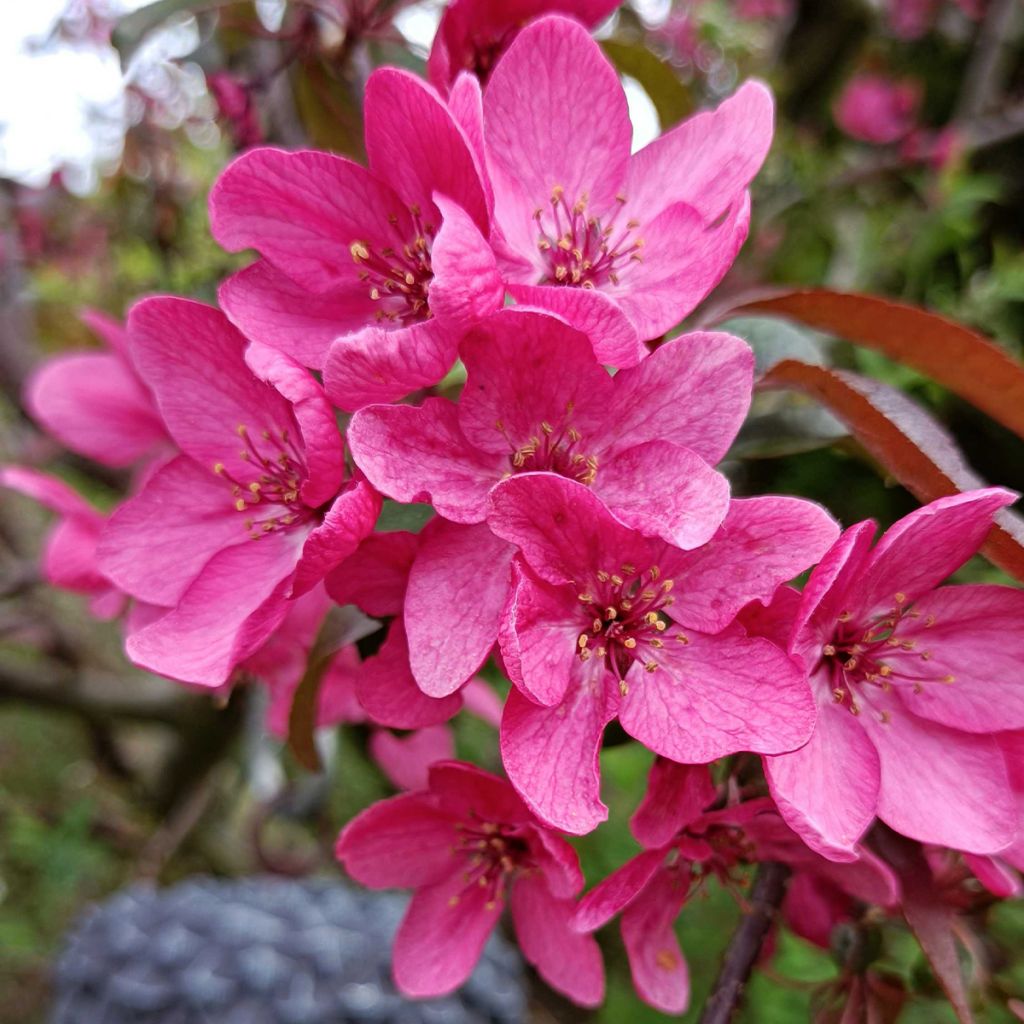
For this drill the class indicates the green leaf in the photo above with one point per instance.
(670, 97)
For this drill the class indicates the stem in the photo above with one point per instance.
(983, 74)
(765, 897)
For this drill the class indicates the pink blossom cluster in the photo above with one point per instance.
(580, 534)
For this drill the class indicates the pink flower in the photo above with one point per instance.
(877, 109)
(910, 19)
(684, 844)
(602, 622)
(235, 105)
(467, 845)
(909, 680)
(621, 247)
(536, 401)
(392, 261)
(94, 402)
(473, 34)
(249, 514)
(69, 558)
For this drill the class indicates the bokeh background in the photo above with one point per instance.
(897, 169)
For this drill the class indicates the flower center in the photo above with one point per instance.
(625, 619)
(582, 250)
(881, 652)
(278, 471)
(495, 853)
(398, 276)
(553, 451)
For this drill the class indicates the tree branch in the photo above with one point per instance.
(982, 77)
(765, 898)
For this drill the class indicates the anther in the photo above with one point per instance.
(629, 643)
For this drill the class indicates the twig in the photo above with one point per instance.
(765, 897)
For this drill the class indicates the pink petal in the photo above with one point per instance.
(69, 562)
(481, 700)
(95, 405)
(318, 425)
(442, 936)
(1000, 880)
(812, 908)
(773, 621)
(827, 791)
(551, 754)
(406, 759)
(414, 144)
(388, 692)
(533, 104)
(568, 961)
(378, 365)
(156, 543)
(538, 632)
(227, 614)
(562, 528)
(466, 286)
(374, 578)
(708, 160)
(763, 543)
(203, 400)
(972, 679)
(106, 327)
(271, 308)
(829, 590)
(476, 795)
(525, 368)
(403, 842)
(683, 260)
(347, 522)
(939, 785)
(648, 931)
(303, 211)
(923, 548)
(617, 891)
(51, 492)
(557, 860)
(420, 454)
(716, 695)
(466, 104)
(694, 391)
(612, 334)
(664, 491)
(457, 588)
(677, 794)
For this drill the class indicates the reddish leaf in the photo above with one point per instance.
(929, 916)
(968, 364)
(905, 440)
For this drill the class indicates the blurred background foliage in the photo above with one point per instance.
(122, 776)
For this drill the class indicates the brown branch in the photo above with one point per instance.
(765, 898)
(983, 76)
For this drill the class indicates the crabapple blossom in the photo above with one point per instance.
(912, 680)
(536, 401)
(685, 842)
(383, 266)
(253, 512)
(602, 622)
(467, 845)
(620, 246)
(877, 109)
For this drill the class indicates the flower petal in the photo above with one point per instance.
(664, 491)
(420, 454)
(414, 144)
(677, 794)
(568, 961)
(388, 692)
(694, 391)
(916, 554)
(374, 577)
(226, 615)
(406, 759)
(827, 791)
(398, 843)
(442, 936)
(763, 543)
(551, 754)
(939, 785)
(617, 891)
(716, 695)
(708, 160)
(92, 403)
(457, 589)
(378, 365)
(657, 963)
